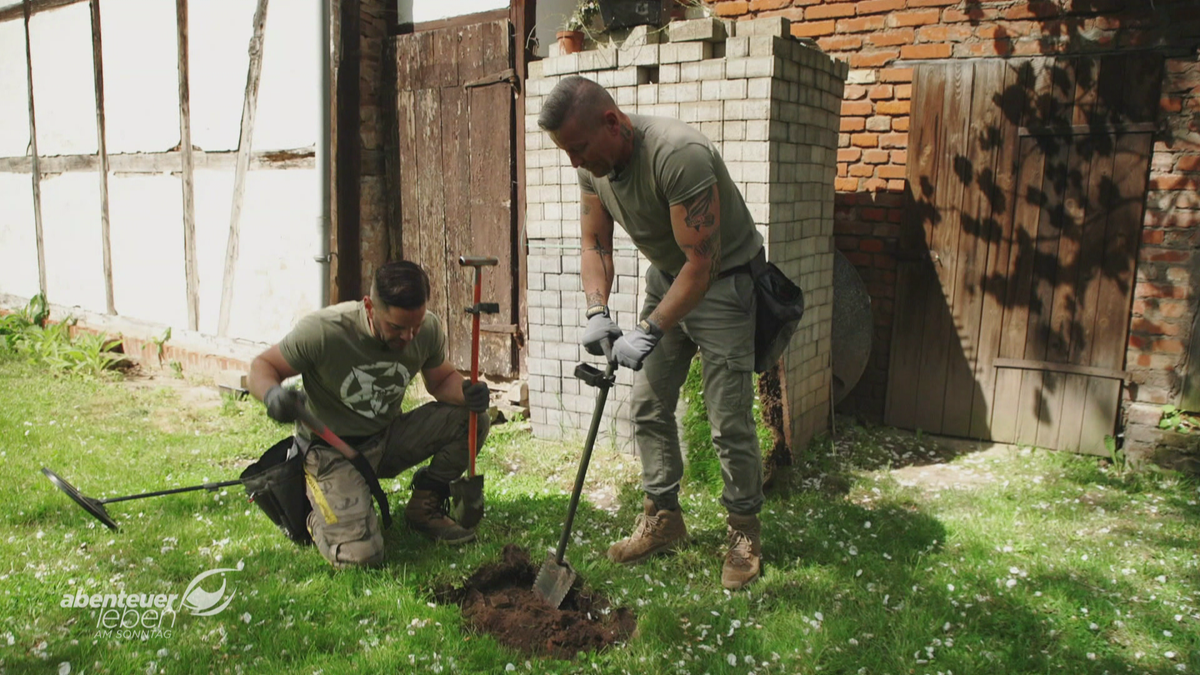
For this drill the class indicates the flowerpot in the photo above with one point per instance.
(570, 41)
(630, 13)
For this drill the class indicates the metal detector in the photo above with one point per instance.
(96, 506)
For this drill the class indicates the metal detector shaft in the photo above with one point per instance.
(601, 398)
(207, 486)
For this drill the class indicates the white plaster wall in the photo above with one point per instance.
(18, 238)
(14, 92)
(214, 197)
(288, 100)
(71, 235)
(64, 88)
(432, 10)
(141, 75)
(146, 232)
(218, 41)
(277, 279)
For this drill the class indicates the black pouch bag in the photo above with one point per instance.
(276, 484)
(780, 306)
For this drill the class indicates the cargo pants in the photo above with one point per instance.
(343, 522)
(722, 328)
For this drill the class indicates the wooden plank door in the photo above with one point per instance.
(1018, 258)
(457, 179)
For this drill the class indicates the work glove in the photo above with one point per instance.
(632, 349)
(284, 405)
(599, 328)
(477, 396)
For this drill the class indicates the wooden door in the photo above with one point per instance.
(1028, 182)
(457, 178)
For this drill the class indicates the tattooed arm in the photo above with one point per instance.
(696, 223)
(596, 261)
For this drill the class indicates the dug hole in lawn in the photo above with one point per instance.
(499, 599)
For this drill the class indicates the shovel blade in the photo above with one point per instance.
(92, 506)
(554, 581)
(466, 501)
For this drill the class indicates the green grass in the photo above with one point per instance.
(1054, 564)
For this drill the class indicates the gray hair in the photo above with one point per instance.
(573, 95)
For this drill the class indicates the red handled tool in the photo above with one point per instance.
(466, 494)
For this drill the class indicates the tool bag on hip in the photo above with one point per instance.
(780, 306)
(276, 484)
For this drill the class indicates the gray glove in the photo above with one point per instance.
(477, 396)
(599, 328)
(632, 349)
(284, 405)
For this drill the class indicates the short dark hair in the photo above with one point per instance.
(571, 96)
(401, 283)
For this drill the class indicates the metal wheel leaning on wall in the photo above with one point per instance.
(669, 189)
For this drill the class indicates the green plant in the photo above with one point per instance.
(584, 15)
(160, 344)
(177, 369)
(14, 327)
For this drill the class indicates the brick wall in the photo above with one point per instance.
(1165, 302)
(770, 104)
(879, 39)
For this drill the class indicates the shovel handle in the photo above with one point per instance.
(473, 428)
(601, 397)
(318, 427)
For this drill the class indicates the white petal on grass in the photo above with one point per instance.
(246, 617)
(64, 668)
(731, 659)
(508, 668)
(1010, 583)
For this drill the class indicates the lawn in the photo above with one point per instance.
(887, 556)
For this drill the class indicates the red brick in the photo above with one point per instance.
(892, 107)
(843, 170)
(878, 6)
(852, 108)
(852, 124)
(931, 3)
(1173, 309)
(1038, 9)
(896, 75)
(840, 43)
(896, 186)
(1166, 255)
(891, 38)
(875, 156)
(996, 48)
(845, 184)
(900, 124)
(1172, 183)
(793, 14)
(865, 140)
(900, 157)
(974, 14)
(760, 5)
(849, 154)
(873, 214)
(893, 141)
(862, 170)
(829, 11)
(879, 123)
(854, 92)
(859, 259)
(732, 8)
(944, 33)
(860, 24)
(904, 91)
(881, 92)
(874, 185)
(813, 28)
(939, 51)
(922, 17)
(891, 172)
(1170, 104)
(1152, 290)
(870, 245)
(1152, 237)
(873, 58)
(1168, 346)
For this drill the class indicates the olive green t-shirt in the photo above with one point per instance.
(354, 381)
(671, 163)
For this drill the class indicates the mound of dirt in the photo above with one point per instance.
(499, 600)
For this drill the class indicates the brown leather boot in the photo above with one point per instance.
(654, 531)
(426, 513)
(743, 562)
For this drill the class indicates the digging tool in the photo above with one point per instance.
(556, 576)
(96, 506)
(466, 494)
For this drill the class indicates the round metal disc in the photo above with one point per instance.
(90, 505)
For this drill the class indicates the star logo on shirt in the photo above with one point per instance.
(375, 390)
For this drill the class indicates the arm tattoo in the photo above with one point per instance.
(594, 298)
(585, 208)
(606, 254)
(699, 210)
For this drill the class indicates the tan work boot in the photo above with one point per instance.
(743, 562)
(426, 513)
(654, 532)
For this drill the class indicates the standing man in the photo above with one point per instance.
(356, 360)
(668, 187)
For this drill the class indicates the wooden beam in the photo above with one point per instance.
(1053, 367)
(348, 155)
(185, 145)
(456, 21)
(163, 162)
(34, 6)
(102, 154)
(524, 20)
(245, 142)
(37, 176)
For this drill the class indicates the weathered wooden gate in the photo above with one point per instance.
(1028, 183)
(457, 180)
